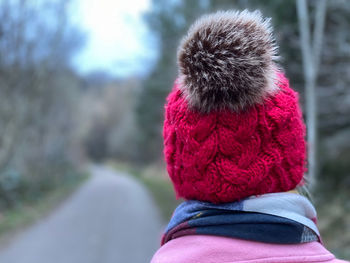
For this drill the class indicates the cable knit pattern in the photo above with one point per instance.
(225, 156)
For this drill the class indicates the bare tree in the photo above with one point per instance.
(37, 89)
(311, 49)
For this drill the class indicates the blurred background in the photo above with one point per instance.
(82, 90)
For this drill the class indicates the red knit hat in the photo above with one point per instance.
(233, 127)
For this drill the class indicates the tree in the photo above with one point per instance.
(311, 49)
(37, 91)
(169, 22)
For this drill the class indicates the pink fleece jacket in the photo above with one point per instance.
(215, 249)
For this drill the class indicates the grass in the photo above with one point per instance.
(163, 194)
(334, 223)
(29, 211)
(158, 184)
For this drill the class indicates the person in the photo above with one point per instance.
(234, 144)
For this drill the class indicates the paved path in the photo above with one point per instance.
(111, 218)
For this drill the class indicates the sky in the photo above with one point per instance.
(118, 40)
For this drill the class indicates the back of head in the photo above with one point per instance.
(233, 127)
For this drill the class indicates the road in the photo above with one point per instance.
(111, 218)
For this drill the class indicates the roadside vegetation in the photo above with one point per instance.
(28, 210)
(334, 221)
(39, 153)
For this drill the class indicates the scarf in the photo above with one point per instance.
(282, 218)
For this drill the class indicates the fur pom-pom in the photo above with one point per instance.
(227, 61)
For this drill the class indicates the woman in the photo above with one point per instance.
(235, 150)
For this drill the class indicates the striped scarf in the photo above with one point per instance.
(283, 218)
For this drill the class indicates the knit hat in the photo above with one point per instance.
(233, 127)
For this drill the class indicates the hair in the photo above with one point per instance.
(304, 189)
